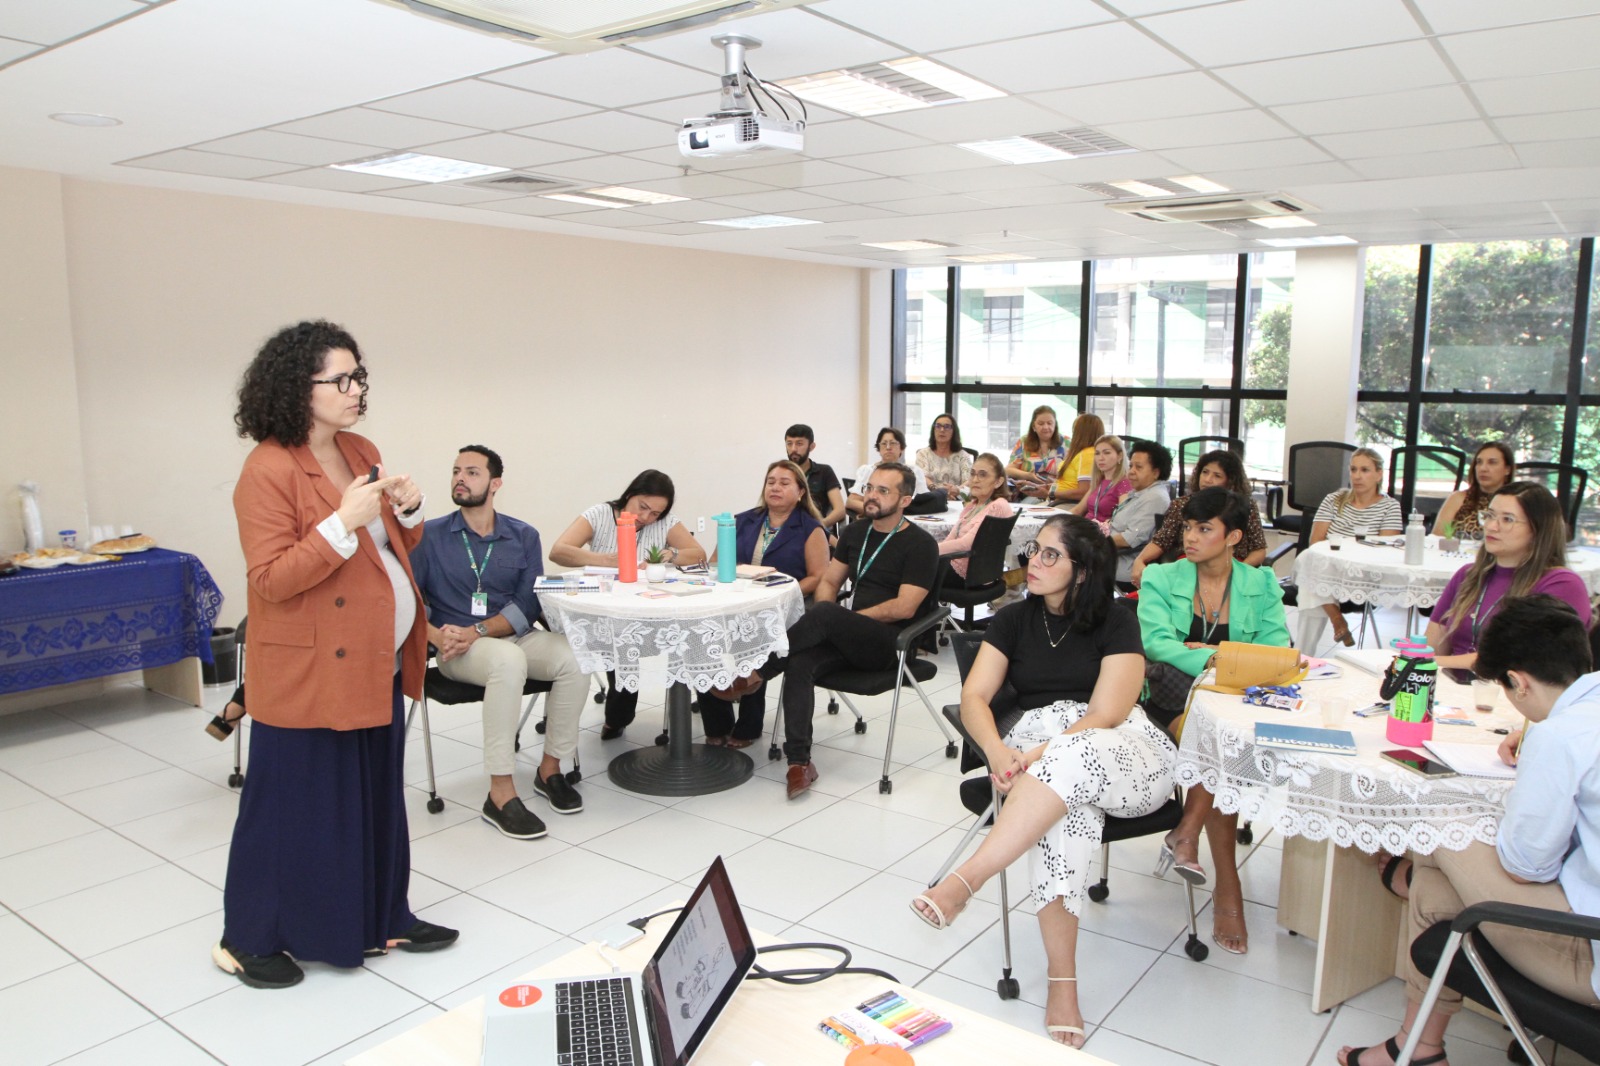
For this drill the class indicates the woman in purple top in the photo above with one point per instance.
(1109, 482)
(1524, 551)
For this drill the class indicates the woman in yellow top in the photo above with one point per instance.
(1074, 480)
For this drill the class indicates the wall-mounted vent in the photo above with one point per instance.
(1229, 207)
(523, 183)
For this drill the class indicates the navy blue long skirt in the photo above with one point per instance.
(321, 860)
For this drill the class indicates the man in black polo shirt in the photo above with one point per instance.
(826, 492)
(892, 564)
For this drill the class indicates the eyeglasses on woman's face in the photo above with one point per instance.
(342, 382)
(943, 427)
(1047, 556)
(1500, 519)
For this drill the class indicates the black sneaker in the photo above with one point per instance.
(514, 820)
(257, 971)
(564, 799)
(425, 936)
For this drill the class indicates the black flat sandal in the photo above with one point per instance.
(1353, 1059)
(1388, 872)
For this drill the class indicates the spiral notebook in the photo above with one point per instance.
(1305, 738)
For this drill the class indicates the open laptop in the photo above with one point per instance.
(658, 1017)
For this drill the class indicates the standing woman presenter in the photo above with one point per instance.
(320, 861)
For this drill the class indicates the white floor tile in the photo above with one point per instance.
(420, 821)
(71, 865)
(671, 843)
(877, 914)
(329, 1009)
(140, 797)
(758, 806)
(491, 938)
(64, 1012)
(571, 889)
(169, 970)
(211, 865)
(1126, 1051)
(924, 793)
(122, 911)
(403, 1024)
(1029, 1017)
(1273, 956)
(604, 809)
(472, 853)
(14, 793)
(905, 971)
(88, 769)
(33, 825)
(789, 881)
(155, 1043)
(863, 834)
(47, 739)
(187, 830)
(1140, 909)
(27, 952)
(448, 757)
(425, 891)
(512, 972)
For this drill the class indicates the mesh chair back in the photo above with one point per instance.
(1549, 475)
(1439, 472)
(1190, 449)
(1316, 468)
(987, 563)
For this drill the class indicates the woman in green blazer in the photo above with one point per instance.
(1186, 610)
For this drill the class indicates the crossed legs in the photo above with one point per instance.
(1227, 899)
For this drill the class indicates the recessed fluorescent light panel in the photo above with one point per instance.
(1304, 242)
(1198, 184)
(84, 118)
(1016, 150)
(1142, 188)
(414, 166)
(615, 196)
(759, 222)
(1050, 147)
(883, 88)
(993, 257)
(907, 246)
(1283, 222)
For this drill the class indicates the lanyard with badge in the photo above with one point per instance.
(861, 574)
(480, 598)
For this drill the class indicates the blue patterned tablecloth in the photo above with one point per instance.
(78, 622)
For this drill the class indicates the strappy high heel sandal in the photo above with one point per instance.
(1068, 1030)
(1226, 942)
(1191, 872)
(934, 916)
(221, 726)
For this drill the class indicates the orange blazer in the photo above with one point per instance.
(320, 643)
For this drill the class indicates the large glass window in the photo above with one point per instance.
(1388, 319)
(1164, 322)
(1019, 323)
(1266, 354)
(994, 421)
(1500, 316)
(925, 317)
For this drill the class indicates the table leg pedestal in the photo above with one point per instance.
(681, 767)
(1333, 894)
(180, 680)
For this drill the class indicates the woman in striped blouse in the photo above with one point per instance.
(1360, 510)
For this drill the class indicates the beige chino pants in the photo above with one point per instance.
(501, 665)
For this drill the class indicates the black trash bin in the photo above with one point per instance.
(223, 669)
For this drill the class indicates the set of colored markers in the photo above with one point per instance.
(885, 1019)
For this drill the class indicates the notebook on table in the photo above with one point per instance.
(1305, 738)
(1473, 760)
(659, 1016)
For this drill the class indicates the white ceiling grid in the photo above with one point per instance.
(1397, 120)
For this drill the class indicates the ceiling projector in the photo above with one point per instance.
(738, 126)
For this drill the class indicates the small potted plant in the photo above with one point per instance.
(655, 569)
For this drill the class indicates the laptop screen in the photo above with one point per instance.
(698, 966)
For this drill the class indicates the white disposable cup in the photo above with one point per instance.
(605, 582)
(1336, 710)
(1484, 694)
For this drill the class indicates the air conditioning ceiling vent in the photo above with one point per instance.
(1224, 207)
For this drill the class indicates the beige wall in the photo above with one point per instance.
(581, 361)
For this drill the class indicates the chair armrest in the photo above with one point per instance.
(1274, 502)
(1280, 551)
(908, 636)
(965, 553)
(1561, 923)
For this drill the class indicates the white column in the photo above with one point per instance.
(875, 387)
(1325, 345)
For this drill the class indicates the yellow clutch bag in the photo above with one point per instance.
(1240, 666)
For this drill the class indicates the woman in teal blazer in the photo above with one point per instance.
(1187, 609)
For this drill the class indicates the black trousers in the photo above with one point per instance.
(621, 705)
(826, 638)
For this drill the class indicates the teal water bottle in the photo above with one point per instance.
(727, 548)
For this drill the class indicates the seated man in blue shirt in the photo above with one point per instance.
(476, 570)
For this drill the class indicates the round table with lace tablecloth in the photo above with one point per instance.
(1335, 811)
(701, 641)
(1028, 522)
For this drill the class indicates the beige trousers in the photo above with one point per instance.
(1447, 882)
(501, 665)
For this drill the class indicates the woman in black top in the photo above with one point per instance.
(1082, 748)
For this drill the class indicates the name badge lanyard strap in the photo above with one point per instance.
(472, 560)
(1477, 612)
(862, 573)
(1209, 619)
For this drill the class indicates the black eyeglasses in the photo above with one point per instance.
(342, 382)
(943, 425)
(1047, 556)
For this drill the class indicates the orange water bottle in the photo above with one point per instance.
(627, 548)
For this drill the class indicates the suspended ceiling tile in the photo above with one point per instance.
(1574, 90)
(988, 179)
(684, 211)
(11, 50)
(288, 148)
(1137, 8)
(680, 229)
(187, 161)
(1540, 48)
(806, 173)
(855, 136)
(506, 150)
(1580, 152)
(940, 24)
(1166, 96)
(1442, 103)
(1249, 31)
(1284, 179)
(1115, 51)
(1382, 68)
(1455, 16)
(880, 190)
(447, 194)
(909, 161)
(52, 21)
(943, 204)
(1036, 197)
(363, 125)
(775, 202)
(1282, 153)
(610, 218)
(701, 186)
(537, 206)
(616, 77)
(1408, 140)
(849, 213)
(610, 170)
(1232, 127)
(793, 42)
(337, 180)
(482, 104)
(976, 120)
(1127, 167)
(1560, 127)
(606, 131)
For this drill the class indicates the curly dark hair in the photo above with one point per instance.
(275, 392)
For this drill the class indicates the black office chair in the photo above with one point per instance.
(979, 797)
(986, 567)
(1549, 475)
(1457, 954)
(1434, 463)
(1190, 449)
(1316, 468)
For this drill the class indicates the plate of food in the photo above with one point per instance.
(89, 559)
(44, 558)
(129, 545)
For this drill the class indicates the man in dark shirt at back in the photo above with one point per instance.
(826, 492)
(892, 564)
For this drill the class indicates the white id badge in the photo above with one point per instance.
(480, 605)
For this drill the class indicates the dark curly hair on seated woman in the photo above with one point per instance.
(275, 392)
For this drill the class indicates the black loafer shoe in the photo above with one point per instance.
(257, 971)
(610, 732)
(425, 936)
(562, 797)
(514, 819)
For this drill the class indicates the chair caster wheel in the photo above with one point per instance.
(574, 776)
(1099, 891)
(599, 697)
(539, 727)
(861, 725)
(885, 787)
(1246, 835)
(833, 706)
(1196, 950)
(1516, 1054)
(773, 754)
(950, 750)
(435, 805)
(235, 780)
(661, 741)
(1007, 988)
(944, 642)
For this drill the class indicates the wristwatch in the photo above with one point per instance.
(481, 629)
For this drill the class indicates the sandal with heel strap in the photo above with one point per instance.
(1392, 867)
(1354, 1057)
(1068, 1030)
(221, 726)
(1223, 942)
(934, 916)
(1191, 872)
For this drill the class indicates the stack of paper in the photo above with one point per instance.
(1474, 760)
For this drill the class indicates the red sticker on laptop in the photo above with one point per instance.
(521, 996)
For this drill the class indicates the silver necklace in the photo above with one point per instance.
(1055, 642)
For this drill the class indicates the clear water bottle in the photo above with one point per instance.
(1415, 538)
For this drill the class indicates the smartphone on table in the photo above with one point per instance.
(1419, 763)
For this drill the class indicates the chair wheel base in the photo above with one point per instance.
(885, 787)
(833, 706)
(950, 750)
(1195, 950)
(1007, 988)
(599, 697)
(661, 740)
(861, 725)
(1099, 891)
(1245, 835)
(539, 727)
(435, 805)
(516, 745)
(236, 780)
(944, 642)
(774, 754)
(574, 776)
(1516, 1054)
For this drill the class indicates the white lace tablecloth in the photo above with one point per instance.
(703, 641)
(1375, 574)
(1361, 801)
(1027, 527)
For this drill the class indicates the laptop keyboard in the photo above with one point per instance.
(595, 1023)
